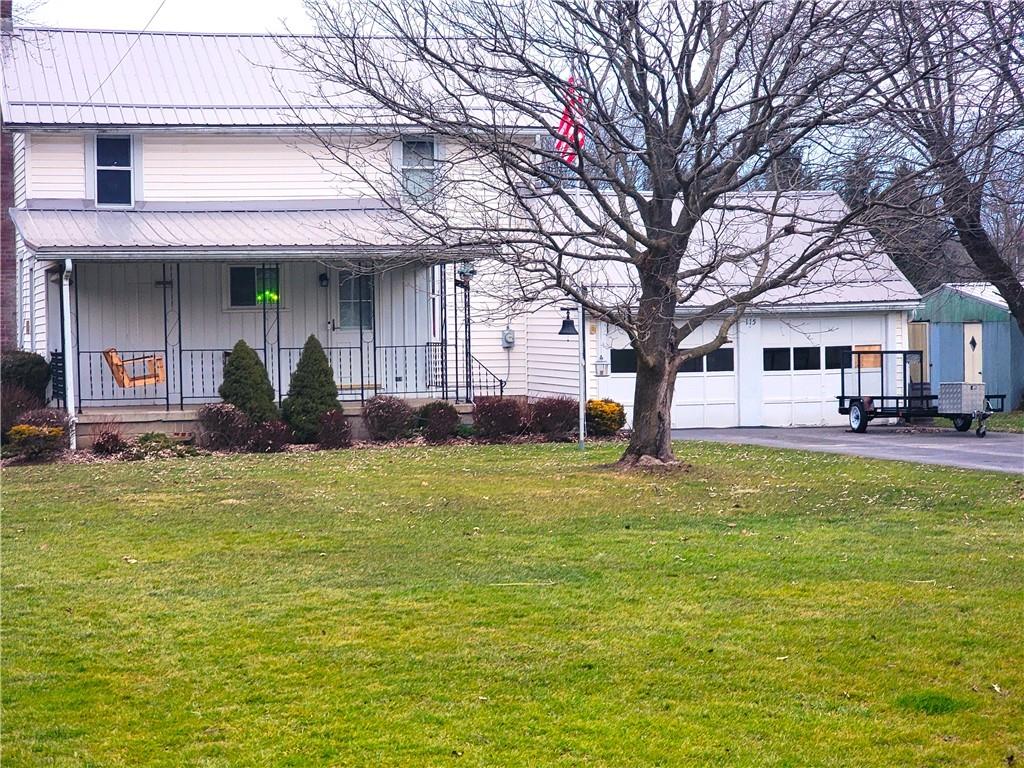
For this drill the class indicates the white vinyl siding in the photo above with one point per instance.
(212, 168)
(55, 167)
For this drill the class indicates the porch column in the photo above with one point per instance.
(70, 356)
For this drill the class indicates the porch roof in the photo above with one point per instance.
(356, 232)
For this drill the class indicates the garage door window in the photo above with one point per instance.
(623, 361)
(837, 357)
(806, 358)
(720, 360)
(693, 365)
(776, 359)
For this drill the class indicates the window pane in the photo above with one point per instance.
(693, 365)
(268, 290)
(418, 181)
(114, 187)
(623, 361)
(867, 360)
(721, 359)
(806, 358)
(837, 357)
(776, 358)
(113, 151)
(243, 287)
(355, 309)
(418, 154)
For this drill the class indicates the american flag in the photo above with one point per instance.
(571, 134)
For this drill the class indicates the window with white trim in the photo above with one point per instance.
(355, 308)
(253, 286)
(114, 170)
(419, 161)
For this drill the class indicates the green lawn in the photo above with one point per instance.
(517, 606)
(1006, 422)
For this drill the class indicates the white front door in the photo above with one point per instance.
(972, 353)
(352, 327)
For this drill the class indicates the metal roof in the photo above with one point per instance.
(105, 234)
(53, 78)
(982, 291)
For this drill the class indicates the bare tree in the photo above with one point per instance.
(684, 107)
(960, 106)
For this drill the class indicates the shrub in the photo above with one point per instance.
(14, 401)
(439, 421)
(605, 417)
(223, 427)
(53, 418)
(246, 384)
(25, 369)
(555, 417)
(108, 442)
(387, 418)
(156, 445)
(270, 437)
(499, 416)
(32, 442)
(311, 392)
(335, 430)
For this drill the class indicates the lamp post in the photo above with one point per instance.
(569, 329)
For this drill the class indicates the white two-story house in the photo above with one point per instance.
(170, 200)
(174, 193)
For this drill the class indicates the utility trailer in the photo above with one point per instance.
(881, 384)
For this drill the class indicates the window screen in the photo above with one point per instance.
(720, 360)
(806, 358)
(113, 170)
(776, 359)
(623, 361)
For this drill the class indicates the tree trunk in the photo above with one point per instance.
(991, 264)
(651, 441)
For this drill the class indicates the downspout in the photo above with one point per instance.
(70, 357)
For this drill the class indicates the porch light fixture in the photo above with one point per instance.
(568, 326)
(324, 280)
(601, 366)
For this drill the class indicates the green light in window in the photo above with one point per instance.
(267, 297)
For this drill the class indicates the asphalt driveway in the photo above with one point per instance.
(999, 451)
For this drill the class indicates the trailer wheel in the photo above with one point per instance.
(858, 418)
(962, 423)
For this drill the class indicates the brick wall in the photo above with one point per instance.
(8, 257)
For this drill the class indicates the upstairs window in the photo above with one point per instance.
(114, 170)
(418, 166)
(254, 287)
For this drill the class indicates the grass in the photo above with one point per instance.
(510, 606)
(1006, 422)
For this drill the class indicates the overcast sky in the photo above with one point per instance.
(175, 16)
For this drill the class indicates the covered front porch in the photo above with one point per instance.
(157, 334)
(144, 306)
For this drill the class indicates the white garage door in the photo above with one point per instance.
(801, 361)
(705, 393)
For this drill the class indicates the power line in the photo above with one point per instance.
(113, 69)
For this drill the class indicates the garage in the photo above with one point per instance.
(778, 369)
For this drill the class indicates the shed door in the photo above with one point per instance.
(972, 353)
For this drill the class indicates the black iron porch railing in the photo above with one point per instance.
(176, 377)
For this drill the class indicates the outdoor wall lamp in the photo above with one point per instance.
(324, 280)
(601, 366)
(568, 326)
